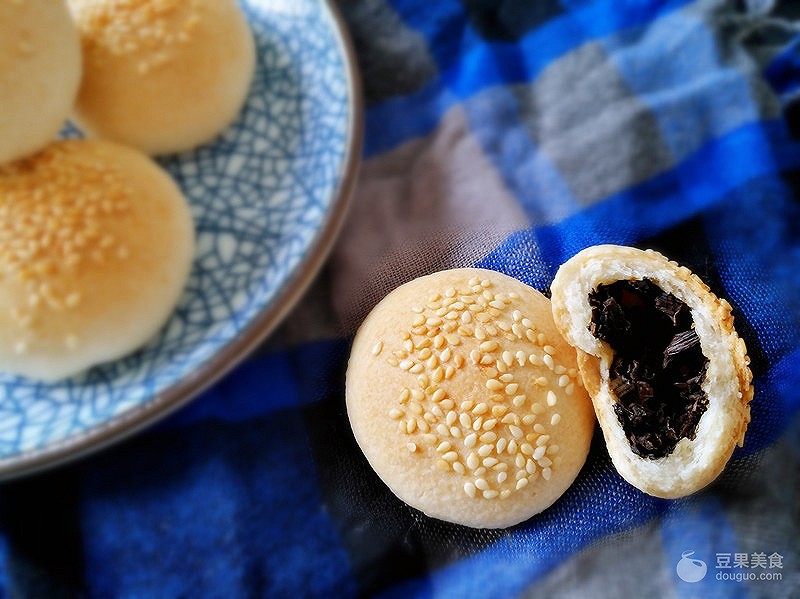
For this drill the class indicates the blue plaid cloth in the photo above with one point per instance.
(507, 134)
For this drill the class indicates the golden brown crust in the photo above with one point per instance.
(40, 71)
(472, 396)
(728, 385)
(101, 273)
(172, 81)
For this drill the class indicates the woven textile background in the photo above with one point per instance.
(507, 134)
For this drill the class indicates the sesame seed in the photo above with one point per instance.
(481, 484)
(453, 340)
(455, 431)
(538, 428)
(459, 467)
(512, 388)
(538, 453)
(416, 408)
(497, 304)
(530, 335)
(555, 419)
(537, 408)
(469, 489)
(418, 320)
(406, 364)
(563, 380)
(490, 424)
(394, 413)
(490, 494)
(559, 369)
(470, 440)
(569, 389)
(516, 315)
(411, 425)
(551, 398)
(450, 456)
(459, 361)
(439, 395)
(423, 344)
(442, 430)
(552, 449)
(474, 281)
(526, 322)
(412, 447)
(475, 356)
(548, 361)
(486, 360)
(499, 411)
(423, 425)
(526, 448)
(439, 341)
(509, 419)
(485, 450)
(438, 374)
(545, 462)
(542, 440)
(481, 408)
(549, 349)
(546, 473)
(443, 465)
(447, 353)
(489, 346)
(502, 443)
(451, 418)
(512, 447)
(489, 462)
(425, 353)
(508, 358)
(501, 477)
(488, 437)
(521, 483)
(466, 405)
(449, 372)
(494, 385)
(416, 369)
(472, 461)
(518, 400)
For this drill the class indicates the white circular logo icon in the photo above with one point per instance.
(690, 570)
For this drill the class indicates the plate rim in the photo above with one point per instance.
(177, 395)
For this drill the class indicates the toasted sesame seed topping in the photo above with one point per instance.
(493, 431)
(412, 447)
(551, 398)
(53, 219)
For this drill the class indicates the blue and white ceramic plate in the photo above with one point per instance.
(268, 199)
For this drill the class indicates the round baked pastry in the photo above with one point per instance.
(465, 399)
(40, 70)
(97, 242)
(162, 76)
(667, 373)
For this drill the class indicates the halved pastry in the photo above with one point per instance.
(657, 351)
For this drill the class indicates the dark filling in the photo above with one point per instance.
(658, 367)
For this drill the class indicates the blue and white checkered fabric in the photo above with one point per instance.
(507, 134)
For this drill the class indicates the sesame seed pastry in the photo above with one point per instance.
(162, 76)
(658, 353)
(465, 399)
(96, 242)
(40, 70)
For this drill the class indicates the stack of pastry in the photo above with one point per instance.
(96, 240)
